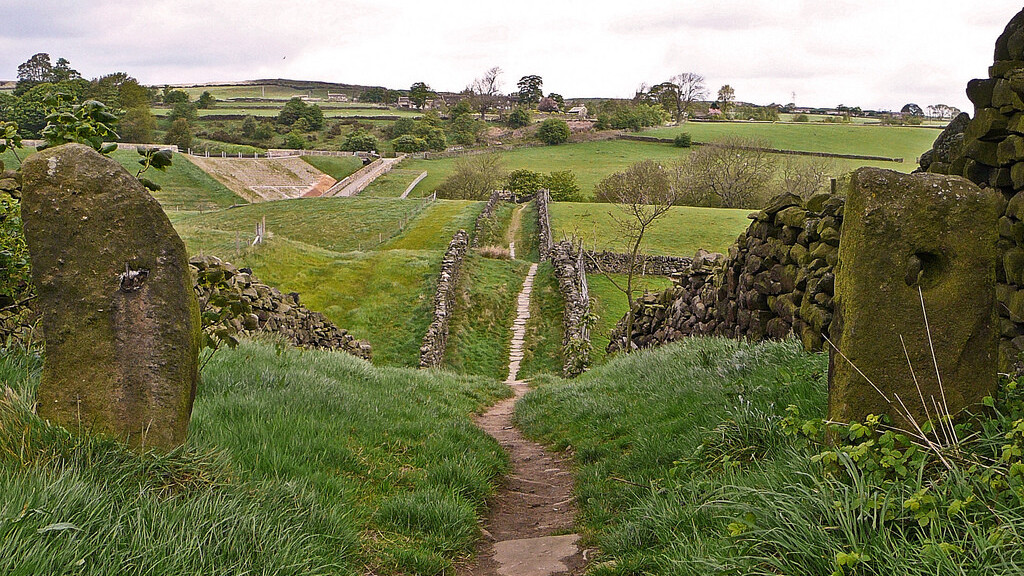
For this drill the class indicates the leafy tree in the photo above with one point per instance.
(642, 195)
(419, 93)
(206, 101)
(179, 134)
(553, 131)
(174, 96)
(301, 125)
(548, 105)
(375, 95)
(466, 130)
(186, 110)
(801, 118)
(563, 186)
(137, 125)
(401, 127)
(291, 111)
(63, 72)
(519, 118)
(473, 178)
(557, 98)
(359, 141)
(679, 94)
(264, 131)
(249, 127)
(435, 138)
(34, 71)
(530, 91)
(726, 97)
(524, 181)
(118, 90)
(408, 143)
(461, 108)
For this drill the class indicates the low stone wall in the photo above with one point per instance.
(497, 197)
(618, 263)
(248, 307)
(544, 242)
(570, 271)
(777, 280)
(436, 339)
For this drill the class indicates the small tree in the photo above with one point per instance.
(726, 97)
(729, 173)
(206, 101)
(806, 176)
(523, 182)
(553, 131)
(473, 178)
(407, 143)
(137, 125)
(563, 186)
(519, 118)
(249, 127)
(642, 194)
(359, 141)
(419, 93)
(185, 110)
(294, 140)
(530, 91)
(180, 134)
(682, 140)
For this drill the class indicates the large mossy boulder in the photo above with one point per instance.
(120, 316)
(904, 237)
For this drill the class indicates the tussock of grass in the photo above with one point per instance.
(494, 253)
(296, 463)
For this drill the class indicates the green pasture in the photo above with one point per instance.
(297, 463)
(394, 183)
(683, 231)
(265, 112)
(610, 305)
(870, 140)
(369, 264)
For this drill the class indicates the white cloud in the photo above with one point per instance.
(875, 54)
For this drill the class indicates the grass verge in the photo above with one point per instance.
(542, 353)
(296, 463)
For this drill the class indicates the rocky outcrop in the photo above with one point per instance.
(570, 271)
(120, 317)
(778, 279)
(618, 263)
(436, 339)
(544, 242)
(233, 299)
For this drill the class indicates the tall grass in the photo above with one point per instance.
(296, 463)
(685, 468)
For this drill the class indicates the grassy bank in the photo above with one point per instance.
(691, 463)
(337, 167)
(296, 463)
(610, 305)
(481, 326)
(542, 353)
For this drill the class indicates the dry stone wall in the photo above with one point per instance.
(497, 197)
(247, 307)
(436, 339)
(543, 224)
(777, 280)
(570, 271)
(618, 263)
(989, 151)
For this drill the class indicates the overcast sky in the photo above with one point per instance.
(870, 53)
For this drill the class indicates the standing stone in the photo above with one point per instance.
(902, 232)
(120, 317)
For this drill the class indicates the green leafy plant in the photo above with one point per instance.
(157, 158)
(10, 139)
(87, 123)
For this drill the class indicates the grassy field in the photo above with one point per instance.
(369, 264)
(183, 185)
(263, 112)
(337, 167)
(591, 161)
(297, 463)
(481, 326)
(889, 141)
(610, 305)
(680, 233)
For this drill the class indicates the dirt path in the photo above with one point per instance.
(529, 532)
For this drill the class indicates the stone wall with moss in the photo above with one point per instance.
(435, 341)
